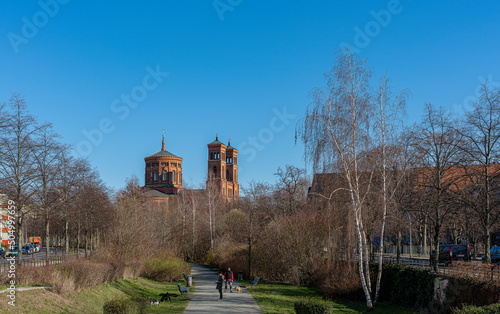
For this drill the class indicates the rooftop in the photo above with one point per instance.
(163, 153)
(216, 142)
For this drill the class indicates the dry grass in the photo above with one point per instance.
(77, 274)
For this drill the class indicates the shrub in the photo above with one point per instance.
(289, 248)
(231, 255)
(116, 307)
(132, 270)
(80, 273)
(308, 306)
(493, 308)
(29, 275)
(165, 269)
(338, 280)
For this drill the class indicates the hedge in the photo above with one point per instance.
(406, 286)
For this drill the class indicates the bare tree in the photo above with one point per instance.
(17, 168)
(93, 208)
(481, 149)
(436, 145)
(190, 201)
(291, 189)
(69, 172)
(254, 205)
(47, 151)
(214, 203)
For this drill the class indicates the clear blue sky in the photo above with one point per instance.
(231, 66)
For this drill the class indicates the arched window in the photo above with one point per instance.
(173, 176)
(155, 176)
(164, 176)
(215, 172)
(227, 175)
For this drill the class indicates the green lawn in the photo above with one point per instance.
(92, 300)
(273, 298)
(143, 289)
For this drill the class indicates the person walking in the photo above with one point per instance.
(219, 284)
(229, 279)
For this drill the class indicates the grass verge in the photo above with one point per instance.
(92, 300)
(274, 298)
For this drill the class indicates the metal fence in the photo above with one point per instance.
(420, 251)
(37, 262)
(415, 250)
(488, 272)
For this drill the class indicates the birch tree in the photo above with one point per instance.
(335, 130)
(392, 164)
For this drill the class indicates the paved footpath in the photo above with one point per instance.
(206, 297)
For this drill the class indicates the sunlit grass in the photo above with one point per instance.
(274, 298)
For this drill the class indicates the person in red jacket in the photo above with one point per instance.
(229, 279)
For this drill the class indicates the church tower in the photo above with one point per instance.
(233, 188)
(163, 171)
(223, 169)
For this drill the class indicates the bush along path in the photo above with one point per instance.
(206, 297)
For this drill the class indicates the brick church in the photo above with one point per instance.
(163, 174)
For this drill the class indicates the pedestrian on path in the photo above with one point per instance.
(229, 279)
(219, 284)
(203, 299)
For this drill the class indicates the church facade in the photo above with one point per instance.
(163, 172)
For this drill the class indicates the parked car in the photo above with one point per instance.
(14, 251)
(27, 249)
(495, 255)
(36, 246)
(2, 253)
(451, 252)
